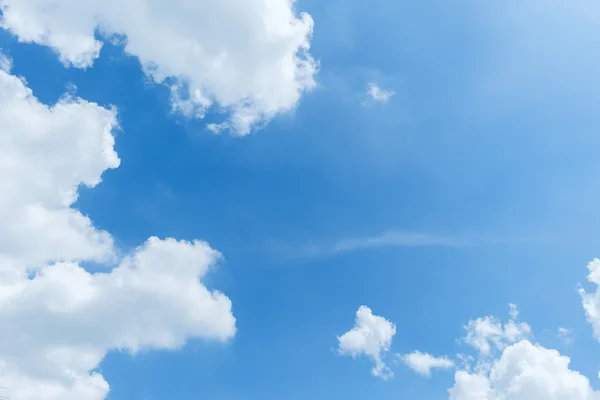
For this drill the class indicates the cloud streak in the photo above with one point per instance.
(395, 239)
(387, 239)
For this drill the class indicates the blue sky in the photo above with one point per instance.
(486, 153)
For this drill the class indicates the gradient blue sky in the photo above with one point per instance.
(488, 149)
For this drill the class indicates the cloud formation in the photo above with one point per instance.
(423, 363)
(487, 334)
(378, 94)
(58, 320)
(504, 365)
(565, 335)
(591, 301)
(394, 239)
(509, 366)
(386, 239)
(524, 371)
(5, 63)
(371, 336)
(251, 59)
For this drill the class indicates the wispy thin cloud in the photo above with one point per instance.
(393, 239)
(5, 62)
(378, 94)
(347, 245)
(565, 335)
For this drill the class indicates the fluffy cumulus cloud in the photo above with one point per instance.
(487, 334)
(250, 58)
(423, 363)
(372, 337)
(524, 371)
(45, 153)
(503, 362)
(58, 320)
(508, 366)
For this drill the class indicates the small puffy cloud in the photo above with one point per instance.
(378, 94)
(372, 337)
(591, 301)
(250, 58)
(487, 334)
(565, 335)
(423, 363)
(505, 363)
(59, 320)
(524, 371)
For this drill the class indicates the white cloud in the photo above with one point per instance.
(371, 336)
(59, 326)
(508, 366)
(5, 62)
(45, 153)
(565, 335)
(524, 371)
(386, 239)
(394, 239)
(591, 301)
(487, 334)
(251, 58)
(423, 363)
(59, 321)
(379, 94)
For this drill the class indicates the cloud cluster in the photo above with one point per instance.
(487, 334)
(505, 364)
(524, 371)
(58, 320)
(249, 58)
(508, 366)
